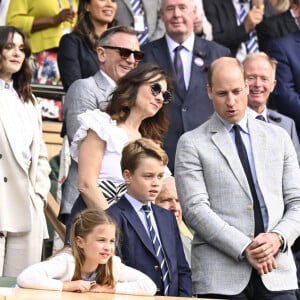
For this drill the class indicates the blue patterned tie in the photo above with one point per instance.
(179, 69)
(158, 250)
(137, 9)
(251, 43)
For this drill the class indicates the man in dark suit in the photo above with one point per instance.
(143, 164)
(238, 182)
(278, 25)
(191, 106)
(286, 95)
(227, 30)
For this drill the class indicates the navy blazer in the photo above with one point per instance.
(136, 249)
(76, 59)
(195, 108)
(275, 27)
(222, 16)
(287, 91)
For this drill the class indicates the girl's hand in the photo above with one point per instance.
(80, 286)
(97, 288)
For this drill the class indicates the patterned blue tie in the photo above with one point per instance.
(251, 43)
(137, 9)
(158, 250)
(179, 69)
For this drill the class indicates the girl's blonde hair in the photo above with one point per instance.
(82, 225)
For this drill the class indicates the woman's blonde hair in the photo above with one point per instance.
(82, 225)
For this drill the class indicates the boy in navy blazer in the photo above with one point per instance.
(143, 163)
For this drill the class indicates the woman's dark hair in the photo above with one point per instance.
(124, 97)
(85, 27)
(22, 78)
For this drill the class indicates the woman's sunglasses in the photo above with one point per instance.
(156, 88)
(125, 52)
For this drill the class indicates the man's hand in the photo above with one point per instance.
(261, 252)
(254, 17)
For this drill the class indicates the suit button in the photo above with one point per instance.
(251, 235)
(249, 207)
(184, 109)
(5, 179)
(156, 268)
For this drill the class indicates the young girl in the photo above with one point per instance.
(89, 265)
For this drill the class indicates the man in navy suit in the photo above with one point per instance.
(227, 28)
(143, 164)
(286, 94)
(191, 106)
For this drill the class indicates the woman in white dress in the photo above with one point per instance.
(138, 108)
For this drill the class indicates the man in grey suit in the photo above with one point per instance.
(245, 213)
(118, 53)
(146, 19)
(260, 72)
(191, 106)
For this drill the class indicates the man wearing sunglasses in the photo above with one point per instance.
(191, 106)
(118, 53)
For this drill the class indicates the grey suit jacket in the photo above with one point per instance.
(288, 124)
(84, 94)
(217, 203)
(156, 27)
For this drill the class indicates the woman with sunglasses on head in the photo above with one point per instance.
(77, 55)
(24, 168)
(138, 108)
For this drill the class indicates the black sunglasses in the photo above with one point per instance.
(125, 52)
(156, 88)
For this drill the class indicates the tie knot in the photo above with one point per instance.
(236, 128)
(146, 208)
(260, 117)
(178, 48)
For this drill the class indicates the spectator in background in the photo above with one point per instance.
(24, 166)
(168, 199)
(3, 11)
(143, 16)
(201, 25)
(279, 25)
(92, 92)
(231, 28)
(44, 22)
(260, 73)
(77, 52)
(191, 106)
(286, 95)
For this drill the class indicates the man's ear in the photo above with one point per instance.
(101, 54)
(208, 88)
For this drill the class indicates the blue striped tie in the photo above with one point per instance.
(158, 250)
(251, 43)
(137, 9)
